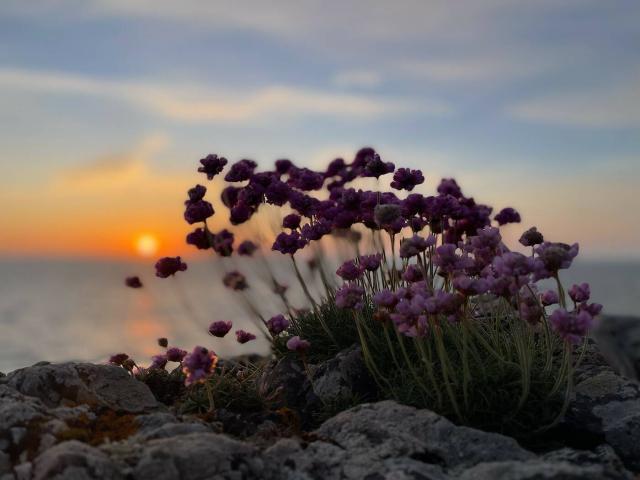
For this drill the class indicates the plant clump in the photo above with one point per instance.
(447, 316)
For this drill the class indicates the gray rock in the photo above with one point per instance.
(83, 383)
(619, 339)
(607, 406)
(282, 381)
(388, 440)
(343, 376)
(602, 456)
(539, 470)
(75, 461)
(198, 456)
(5, 463)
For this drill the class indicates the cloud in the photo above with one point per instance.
(195, 103)
(112, 170)
(609, 106)
(357, 78)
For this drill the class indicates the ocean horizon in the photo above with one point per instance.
(57, 309)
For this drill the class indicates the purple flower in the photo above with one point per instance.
(240, 213)
(371, 262)
(277, 193)
(167, 266)
(288, 243)
(531, 237)
(277, 324)
(247, 248)
(413, 274)
(386, 215)
(507, 215)
(571, 326)
(198, 211)
(448, 186)
(212, 165)
(385, 298)
(220, 328)
(550, 297)
(335, 167)
(316, 231)
(448, 261)
(296, 344)
(283, 166)
(118, 358)
(235, 281)
(350, 296)
(305, 179)
(470, 286)
(554, 257)
(375, 167)
(244, 337)
(199, 238)
(229, 196)
(580, 293)
(158, 361)
(163, 342)
(199, 365)
(222, 243)
(411, 247)
(196, 193)
(349, 270)
(592, 308)
(240, 171)
(291, 221)
(175, 354)
(513, 264)
(133, 282)
(406, 179)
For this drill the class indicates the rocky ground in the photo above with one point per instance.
(85, 421)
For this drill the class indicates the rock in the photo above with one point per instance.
(77, 383)
(619, 340)
(282, 381)
(388, 440)
(198, 456)
(5, 464)
(74, 460)
(607, 406)
(602, 455)
(539, 470)
(343, 377)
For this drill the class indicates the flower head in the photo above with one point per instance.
(167, 266)
(235, 281)
(291, 221)
(196, 193)
(386, 215)
(411, 247)
(406, 179)
(212, 165)
(199, 365)
(277, 324)
(550, 297)
(350, 271)
(375, 167)
(163, 342)
(247, 248)
(297, 344)
(580, 293)
(199, 238)
(385, 298)
(220, 328)
(175, 354)
(222, 243)
(554, 257)
(198, 211)
(507, 215)
(288, 243)
(133, 282)
(244, 337)
(371, 262)
(241, 170)
(158, 361)
(350, 296)
(531, 237)
(571, 326)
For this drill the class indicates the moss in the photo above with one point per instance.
(107, 426)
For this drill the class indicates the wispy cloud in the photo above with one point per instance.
(357, 78)
(196, 103)
(614, 106)
(112, 170)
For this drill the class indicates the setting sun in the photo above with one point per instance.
(146, 245)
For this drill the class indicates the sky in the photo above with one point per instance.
(107, 105)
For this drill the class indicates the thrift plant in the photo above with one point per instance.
(447, 316)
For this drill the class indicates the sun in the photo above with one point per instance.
(146, 245)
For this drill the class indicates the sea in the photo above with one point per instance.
(58, 310)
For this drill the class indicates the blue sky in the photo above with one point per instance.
(534, 104)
